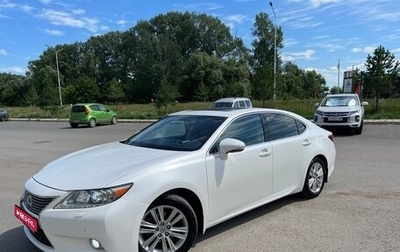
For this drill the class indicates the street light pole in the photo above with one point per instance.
(273, 10)
(58, 72)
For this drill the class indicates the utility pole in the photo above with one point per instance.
(273, 10)
(338, 76)
(58, 72)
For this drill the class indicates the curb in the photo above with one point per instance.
(366, 122)
(66, 120)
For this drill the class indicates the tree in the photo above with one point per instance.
(166, 95)
(381, 72)
(201, 93)
(31, 97)
(262, 64)
(314, 84)
(115, 91)
(335, 90)
(292, 81)
(84, 89)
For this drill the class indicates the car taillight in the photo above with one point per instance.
(331, 137)
(86, 111)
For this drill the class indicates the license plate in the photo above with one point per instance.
(336, 119)
(25, 218)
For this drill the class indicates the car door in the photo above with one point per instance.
(105, 114)
(240, 179)
(292, 151)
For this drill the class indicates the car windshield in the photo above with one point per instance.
(178, 133)
(340, 101)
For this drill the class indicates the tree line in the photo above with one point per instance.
(178, 56)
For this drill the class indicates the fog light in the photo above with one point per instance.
(357, 118)
(95, 244)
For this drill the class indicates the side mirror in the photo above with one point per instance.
(229, 145)
(364, 103)
(316, 105)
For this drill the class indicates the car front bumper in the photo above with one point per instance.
(115, 226)
(354, 121)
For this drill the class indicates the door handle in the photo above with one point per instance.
(306, 142)
(265, 153)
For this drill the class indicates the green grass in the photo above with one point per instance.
(388, 109)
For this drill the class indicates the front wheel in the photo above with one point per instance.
(114, 120)
(315, 179)
(358, 130)
(169, 224)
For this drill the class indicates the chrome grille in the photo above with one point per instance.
(34, 203)
(336, 114)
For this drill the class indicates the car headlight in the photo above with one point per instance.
(320, 113)
(92, 198)
(353, 112)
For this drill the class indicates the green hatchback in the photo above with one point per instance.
(91, 114)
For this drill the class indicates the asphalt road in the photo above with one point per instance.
(359, 209)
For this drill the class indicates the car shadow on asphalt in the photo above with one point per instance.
(342, 133)
(250, 216)
(80, 127)
(15, 240)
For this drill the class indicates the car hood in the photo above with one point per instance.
(338, 109)
(98, 166)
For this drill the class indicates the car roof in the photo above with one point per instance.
(231, 112)
(343, 94)
(231, 99)
(86, 104)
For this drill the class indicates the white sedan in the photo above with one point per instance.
(179, 176)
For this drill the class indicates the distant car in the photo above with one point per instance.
(179, 176)
(91, 114)
(341, 111)
(4, 116)
(232, 102)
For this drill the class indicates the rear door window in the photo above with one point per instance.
(282, 126)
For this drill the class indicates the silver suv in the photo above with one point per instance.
(341, 111)
(232, 102)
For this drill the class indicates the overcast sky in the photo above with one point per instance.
(317, 33)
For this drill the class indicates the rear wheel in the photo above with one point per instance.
(74, 125)
(92, 122)
(315, 179)
(168, 225)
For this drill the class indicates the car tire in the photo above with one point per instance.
(74, 125)
(315, 179)
(114, 120)
(359, 130)
(92, 122)
(3, 118)
(169, 220)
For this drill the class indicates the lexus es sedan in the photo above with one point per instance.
(156, 190)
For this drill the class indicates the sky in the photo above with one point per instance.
(328, 36)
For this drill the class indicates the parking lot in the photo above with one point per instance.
(357, 211)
